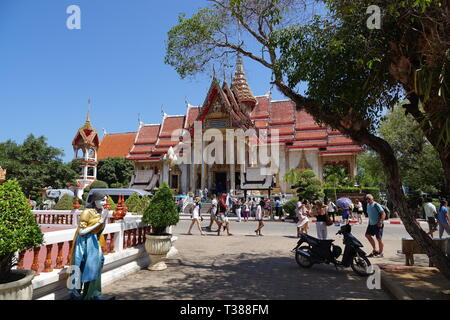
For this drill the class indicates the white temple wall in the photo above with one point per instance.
(311, 156)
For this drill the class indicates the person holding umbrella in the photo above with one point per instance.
(344, 204)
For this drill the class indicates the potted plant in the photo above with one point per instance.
(161, 213)
(18, 232)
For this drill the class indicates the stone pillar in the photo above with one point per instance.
(184, 178)
(203, 172)
(282, 171)
(233, 177)
(192, 178)
(210, 178)
(165, 172)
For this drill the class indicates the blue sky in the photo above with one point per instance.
(48, 72)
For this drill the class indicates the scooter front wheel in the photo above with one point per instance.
(360, 265)
(304, 261)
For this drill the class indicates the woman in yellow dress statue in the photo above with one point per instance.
(86, 251)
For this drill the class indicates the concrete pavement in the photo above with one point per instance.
(245, 266)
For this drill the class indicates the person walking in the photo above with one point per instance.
(245, 210)
(359, 211)
(238, 209)
(213, 216)
(253, 206)
(320, 212)
(259, 217)
(376, 226)
(345, 215)
(430, 213)
(196, 216)
(302, 218)
(223, 222)
(443, 219)
(331, 210)
(278, 209)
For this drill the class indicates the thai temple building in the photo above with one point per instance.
(301, 143)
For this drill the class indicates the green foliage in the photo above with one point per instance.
(373, 191)
(18, 228)
(162, 210)
(98, 184)
(35, 165)
(137, 204)
(309, 186)
(116, 172)
(337, 176)
(111, 203)
(419, 163)
(289, 207)
(292, 176)
(65, 203)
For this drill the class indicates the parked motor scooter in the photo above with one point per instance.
(324, 251)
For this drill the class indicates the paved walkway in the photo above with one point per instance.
(241, 267)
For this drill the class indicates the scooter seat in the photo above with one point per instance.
(311, 238)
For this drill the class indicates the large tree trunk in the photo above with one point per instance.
(361, 135)
(390, 165)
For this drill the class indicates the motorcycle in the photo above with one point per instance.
(324, 251)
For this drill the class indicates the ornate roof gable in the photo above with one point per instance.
(86, 135)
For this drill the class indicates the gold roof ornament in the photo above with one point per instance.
(87, 134)
(239, 85)
(2, 175)
(304, 165)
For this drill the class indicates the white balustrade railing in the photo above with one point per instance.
(119, 236)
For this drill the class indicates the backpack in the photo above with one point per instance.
(385, 209)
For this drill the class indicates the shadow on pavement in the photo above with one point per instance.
(241, 277)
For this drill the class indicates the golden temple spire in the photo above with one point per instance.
(239, 85)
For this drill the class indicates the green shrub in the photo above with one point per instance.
(18, 228)
(373, 191)
(308, 186)
(111, 203)
(117, 185)
(289, 207)
(137, 204)
(162, 210)
(330, 193)
(347, 190)
(98, 184)
(65, 203)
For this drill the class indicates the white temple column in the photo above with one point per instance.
(233, 177)
(192, 178)
(282, 171)
(165, 172)
(184, 178)
(210, 177)
(203, 166)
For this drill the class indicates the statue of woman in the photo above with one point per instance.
(86, 251)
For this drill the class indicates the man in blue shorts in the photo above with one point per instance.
(375, 227)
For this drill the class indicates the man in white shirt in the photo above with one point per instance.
(430, 212)
(331, 210)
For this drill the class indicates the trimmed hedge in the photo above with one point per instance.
(330, 192)
(289, 207)
(65, 203)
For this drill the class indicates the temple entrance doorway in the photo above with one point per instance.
(221, 182)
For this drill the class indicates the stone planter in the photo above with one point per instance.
(18, 290)
(157, 247)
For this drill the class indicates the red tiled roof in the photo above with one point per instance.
(282, 112)
(261, 110)
(145, 142)
(116, 145)
(311, 135)
(192, 114)
(170, 124)
(148, 134)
